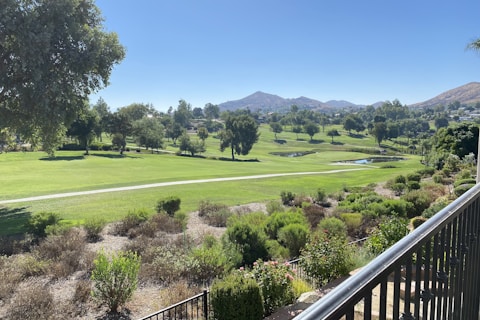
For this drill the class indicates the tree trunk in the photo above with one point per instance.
(233, 155)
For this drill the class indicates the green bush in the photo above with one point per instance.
(208, 261)
(461, 189)
(420, 201)
(278, 220)
(94, 227)
(333, 227)
(287, 197)
(275, 281)
(274, 206)
(236, 298)
(170, 205)
(426, 172)
(414, 177)
(326, 257)
(438, 178)
(132, 219)
(413, 185)
(400, 179)
(277, 251)
(464, 181)
(352, 220)
(293, 237)
(249, 239)
(38, 223)
(115, 278)
(321, 195)
(433, 209)
(387, 233)
(418, 221)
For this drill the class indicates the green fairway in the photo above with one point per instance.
(33, 174)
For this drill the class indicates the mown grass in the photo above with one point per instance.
(32, 174)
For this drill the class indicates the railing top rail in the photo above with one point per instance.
(349, 291)
(173, 306)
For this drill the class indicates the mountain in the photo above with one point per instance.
(466, 94)
(270, 102)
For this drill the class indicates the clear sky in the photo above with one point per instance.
(362, 51)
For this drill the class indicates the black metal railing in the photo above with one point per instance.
(195, 307)
(433, 273)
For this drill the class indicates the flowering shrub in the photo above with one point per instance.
(275, 281)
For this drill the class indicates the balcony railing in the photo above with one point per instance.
(433, 273)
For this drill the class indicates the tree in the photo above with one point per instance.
(311, 129)
(202, 133)
(240, 133)
(211, 111)
(120, 126)
(379, 131)
(148, 132)
(183, 114)
(137, 111)
(174, 131)
(333, 133)
(441, 121)
(47, 72)
(83, 128)
(197, 113)
(276, 128)
(297, 130)
(103, 112)
(474, 45)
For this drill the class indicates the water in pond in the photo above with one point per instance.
(374, 160)
(292, 154)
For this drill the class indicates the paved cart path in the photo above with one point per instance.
(166, 184)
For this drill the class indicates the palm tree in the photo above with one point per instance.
(475, 45)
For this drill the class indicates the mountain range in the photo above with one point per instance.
(466, 94)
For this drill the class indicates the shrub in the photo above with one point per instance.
(176, 292)
(352, 221)
(277, 251)
(236, 298)
(169, 205)
(314, 214)
(398, 188)
(438, 178)
(250, 240)
(34, 301)
(274, 206)
(164, 264)
(214, 214)
(414, 177)
(333, 226)
(387, 233)
(320, 196)
(418, 221)
(94, 227)
(464, 181)
(461, 189)
(278, 220)
(115, 278)
(38, 223)
(300, 286)
(293, 237)
(275, 281)
(205, 207)
(30, 266)
(287, 197)
(433, 209)
(400, 179)
(208, 261)
(132, 219)
(326, 257)
(9, 275)
(420, 201)
(426, 172)
(413, 185)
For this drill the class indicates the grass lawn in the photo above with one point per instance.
(33, 174)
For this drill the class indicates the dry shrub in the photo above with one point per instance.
(176, 292)
(65, 252)
(32, 301)
(11, 245)
(82, 291)
(166, 223)
(9, 275)
(314, 213)
(132, 220)
(435, 189)
(141, 244)
(216, 214)
(300, 200)
(165, 264)
(30, 266)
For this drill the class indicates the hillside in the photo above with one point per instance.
(466, 94)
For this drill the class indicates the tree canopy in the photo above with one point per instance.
(53, 55)
(240, 133)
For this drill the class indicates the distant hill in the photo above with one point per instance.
(466, 94)
(270, 102)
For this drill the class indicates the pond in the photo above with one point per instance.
(373, 160)
(292, 154)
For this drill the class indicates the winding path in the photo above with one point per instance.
(166, 184)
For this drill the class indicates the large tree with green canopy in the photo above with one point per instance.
(53, 54)
(240, 133)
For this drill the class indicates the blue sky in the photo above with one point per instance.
(219, 50)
